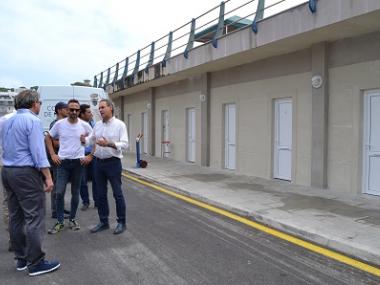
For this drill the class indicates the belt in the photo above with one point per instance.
(18, 166)
(107, 159)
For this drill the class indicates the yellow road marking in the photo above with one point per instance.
(312, 247)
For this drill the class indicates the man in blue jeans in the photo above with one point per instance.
(69, 160)
(111, 137)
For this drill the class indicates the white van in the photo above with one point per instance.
(51, 95)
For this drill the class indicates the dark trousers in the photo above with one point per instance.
(88, 175)
(26, 203)
(70, 170)
(110, 170)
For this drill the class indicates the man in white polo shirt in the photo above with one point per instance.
(69, 160)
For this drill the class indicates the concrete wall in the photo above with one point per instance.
(254, 109)
(354, 68)
(347, 86)
(134, 106)
(176, 98)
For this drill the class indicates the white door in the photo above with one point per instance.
(229, 136)
(165, 143)
(191, 134)
(372, 143)
(283, 139)
(144, 131)
(129, 122)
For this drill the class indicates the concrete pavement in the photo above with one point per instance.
(346, 223)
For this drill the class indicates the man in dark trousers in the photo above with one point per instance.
(88, 170)
(111, 137)
(26, 176)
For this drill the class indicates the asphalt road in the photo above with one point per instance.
(171, 242)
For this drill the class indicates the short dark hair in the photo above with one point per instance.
(26, 98)
(83, 108)
(73, 101)
(109, 103)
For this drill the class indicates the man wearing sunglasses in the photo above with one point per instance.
(69, 160)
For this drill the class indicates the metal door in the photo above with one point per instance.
(144, 131)
(191, 134)
(283, 139)
(165, 143)
(230, 136)
(372, 143)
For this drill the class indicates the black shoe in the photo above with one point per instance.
(100, 227)
(119, 228)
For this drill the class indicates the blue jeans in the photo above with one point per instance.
(70, 170)
(88, 174)
(110, 170)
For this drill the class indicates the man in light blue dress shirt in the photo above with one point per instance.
(26, 176)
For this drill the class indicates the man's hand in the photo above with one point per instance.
(83, 138)
(48, 185)
(105, 143)
(55, 158)
(102, 142)
(86, 160)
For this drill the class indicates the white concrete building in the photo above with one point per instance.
(298, 101)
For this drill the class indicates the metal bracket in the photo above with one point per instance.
(168, 49)
(259, 15)
(95, 82)
(191, 39)
(125, 72)
(137, 64)
(313, 6)
(101, 80)
(116, 75)
(151, 58)
(220, 28)
(108, 77)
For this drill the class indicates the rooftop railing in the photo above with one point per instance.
(229, 16)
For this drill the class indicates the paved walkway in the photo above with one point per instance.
(346, 223)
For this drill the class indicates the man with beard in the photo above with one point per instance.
(69, 160)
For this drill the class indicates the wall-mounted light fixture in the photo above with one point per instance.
(316, 81)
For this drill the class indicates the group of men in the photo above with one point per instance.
(76, 150)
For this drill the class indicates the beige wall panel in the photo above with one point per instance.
(134, 105)
(347, 84)
(176, 98)
(254, 103)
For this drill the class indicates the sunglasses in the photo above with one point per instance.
(74, 110)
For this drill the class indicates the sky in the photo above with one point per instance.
(58, 42)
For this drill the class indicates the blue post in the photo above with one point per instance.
(138, 153)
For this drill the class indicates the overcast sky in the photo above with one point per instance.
(58, 42)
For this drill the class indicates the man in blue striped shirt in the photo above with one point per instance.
(26, 176)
